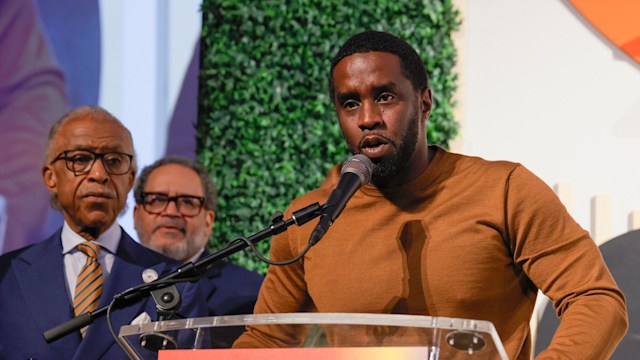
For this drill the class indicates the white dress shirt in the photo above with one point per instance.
(74, 259)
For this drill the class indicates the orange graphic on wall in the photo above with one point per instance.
(617, 20)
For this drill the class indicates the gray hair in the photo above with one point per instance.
(210, 197)
(96, 112)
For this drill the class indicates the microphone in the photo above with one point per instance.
(355, 173)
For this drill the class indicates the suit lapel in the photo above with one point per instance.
(213, 273)
(126, 273)
(48, 300)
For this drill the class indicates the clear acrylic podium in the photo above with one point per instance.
(403, 336)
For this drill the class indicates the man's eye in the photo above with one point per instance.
(158, 200)
(350, 104)
(188, 201)
(385, 97)
(81, 158)
(114, 161)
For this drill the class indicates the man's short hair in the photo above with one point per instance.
(210, 198)
(97, 112)
(411, 64)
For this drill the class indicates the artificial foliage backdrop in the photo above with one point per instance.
(267, 130)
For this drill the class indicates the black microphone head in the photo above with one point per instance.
(359, 165)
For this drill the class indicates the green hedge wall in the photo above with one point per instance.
(267, 130)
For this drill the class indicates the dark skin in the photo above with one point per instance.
(90, 202)
(382, 116)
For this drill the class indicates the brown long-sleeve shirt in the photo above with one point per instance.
(468, 239)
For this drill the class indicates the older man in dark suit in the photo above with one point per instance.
(174, 214)
(89, 168)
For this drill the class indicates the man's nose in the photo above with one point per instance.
(369, 116)
(98, 173)
(172, 208)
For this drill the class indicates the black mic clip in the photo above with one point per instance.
(325, 220)
(168, 302)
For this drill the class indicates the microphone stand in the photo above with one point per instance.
(187, 272)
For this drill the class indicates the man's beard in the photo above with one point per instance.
(182, 250)
(387, 168)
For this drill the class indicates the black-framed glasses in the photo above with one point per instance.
(80, 162)
(187, 205)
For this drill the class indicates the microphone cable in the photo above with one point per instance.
(268, 261)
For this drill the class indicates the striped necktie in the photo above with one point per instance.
(89, 283)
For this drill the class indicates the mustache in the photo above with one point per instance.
(105, 193)
(362, 139)
(171, 222)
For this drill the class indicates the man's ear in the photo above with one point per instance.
(209, 217)
(132, 178)
(426, 102)
(136, 208)
(49, 178)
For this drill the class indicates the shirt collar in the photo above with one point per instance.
(195, 257)
(108, 240)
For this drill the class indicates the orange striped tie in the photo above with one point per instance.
(89, 283)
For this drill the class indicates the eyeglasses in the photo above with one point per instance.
(80, 162)
(187, 205)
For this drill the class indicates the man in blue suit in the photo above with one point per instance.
(174, 214)
(89, 168)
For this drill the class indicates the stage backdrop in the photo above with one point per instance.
(267, 129)
(130, 57)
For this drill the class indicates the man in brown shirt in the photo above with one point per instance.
(438, 233)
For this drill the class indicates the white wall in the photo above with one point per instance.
(543, 88)
(147, 46)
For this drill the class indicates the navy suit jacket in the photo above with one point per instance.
(230, 289)
(34, 298)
